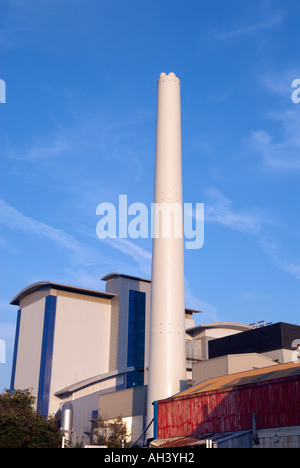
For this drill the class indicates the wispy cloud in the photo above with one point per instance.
(283, 151)
(280, 150)
(19, 19)
(194, 302)
(56, 147)
(278, 255)
(221, 210)
(83, 255)
(279, 84)
(273, 19)
(140, 255)
(80, 258)
(276, 155)
(15, 219)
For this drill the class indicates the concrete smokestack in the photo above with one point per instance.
(167, 361)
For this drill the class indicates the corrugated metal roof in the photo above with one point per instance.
(198, 441)
(243, 378)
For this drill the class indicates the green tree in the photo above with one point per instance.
(109, 433)
(21, 426)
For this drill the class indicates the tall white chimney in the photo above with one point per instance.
(167, 361)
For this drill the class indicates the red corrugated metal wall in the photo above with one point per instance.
(276, 404)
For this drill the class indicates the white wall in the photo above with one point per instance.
(30, 342)
(230, 364)
(81, 341)
(280, 437)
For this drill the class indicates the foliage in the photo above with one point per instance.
(110, 433)
(21, 426)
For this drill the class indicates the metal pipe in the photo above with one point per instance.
(67, 421)
(254, 430)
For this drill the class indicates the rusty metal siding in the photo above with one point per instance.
(276, 404)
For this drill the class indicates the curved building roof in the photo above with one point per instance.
(224, 325)
(117, 275)
(46, 285)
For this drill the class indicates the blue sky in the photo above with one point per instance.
(78, 129)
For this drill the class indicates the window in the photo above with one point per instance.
(136, 338)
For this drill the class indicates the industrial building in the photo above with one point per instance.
(244, 395)
(261, 345)
(91, 348)
(271, 340)
(75, 344)
(258, 408)
(134, 351)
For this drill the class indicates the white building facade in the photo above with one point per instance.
(91, 348)
(75, 344)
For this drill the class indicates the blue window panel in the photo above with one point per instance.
(94, 418)
(135, 379)
(14, 364)
(46, 356)
(136, 338)
(155, 417)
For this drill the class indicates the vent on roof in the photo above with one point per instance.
(260, 324)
